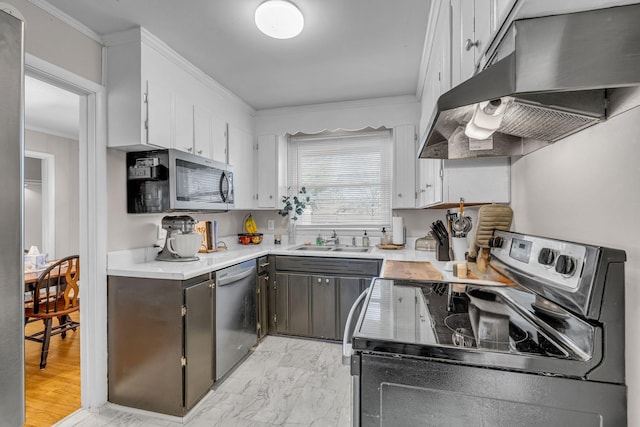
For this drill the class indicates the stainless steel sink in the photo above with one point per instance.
(314, 248)
(357, 250)
(351, 249)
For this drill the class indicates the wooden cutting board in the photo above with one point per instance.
(389, 246)
(489, 274)
(411, 270)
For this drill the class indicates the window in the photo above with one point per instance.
(347, 176)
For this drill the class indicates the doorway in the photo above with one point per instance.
(52, 227)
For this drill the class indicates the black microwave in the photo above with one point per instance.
(172, 180)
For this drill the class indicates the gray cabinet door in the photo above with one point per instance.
(298, 304)
(198, 342)
(145, 344)
(349, 288)
(262, 306)
(323, 307)
(281, 303)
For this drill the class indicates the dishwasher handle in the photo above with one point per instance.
(346, 341)
(226, 280)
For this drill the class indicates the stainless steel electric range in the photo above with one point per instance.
(548, 350)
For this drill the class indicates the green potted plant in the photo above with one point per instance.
(294, 207)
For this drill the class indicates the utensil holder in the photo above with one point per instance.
(442, 251)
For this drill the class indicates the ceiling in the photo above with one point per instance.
(348, 50)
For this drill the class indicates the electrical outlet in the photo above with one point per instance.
(161, 233)
(271, 224)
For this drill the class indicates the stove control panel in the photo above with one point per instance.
(555, 262)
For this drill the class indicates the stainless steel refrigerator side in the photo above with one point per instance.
(11, 218)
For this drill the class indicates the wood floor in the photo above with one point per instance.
(53, 393)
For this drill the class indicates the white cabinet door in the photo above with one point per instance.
(267, 171)
(220, 140)
(404, 173)
(202, 136)
(477, 180)
(429, 186)
(241, 158)
(159, 106)
(183, 125)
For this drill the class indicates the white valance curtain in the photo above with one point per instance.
(347, 176)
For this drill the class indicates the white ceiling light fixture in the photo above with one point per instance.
(279, 19)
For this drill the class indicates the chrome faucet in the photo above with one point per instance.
(333, 239)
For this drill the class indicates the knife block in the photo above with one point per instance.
(442, 251)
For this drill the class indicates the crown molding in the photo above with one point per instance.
(140, 34)
(73, 23)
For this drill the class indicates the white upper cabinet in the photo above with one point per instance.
(156, 99)
(241, 158)
(210, 135)
(183, 124)
(267, 171)
(429, 182)
(444, 182)
(404, 167)
(271, 171)
(155, 128)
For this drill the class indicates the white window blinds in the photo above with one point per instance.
(347, 177)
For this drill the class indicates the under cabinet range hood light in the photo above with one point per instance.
(279, 19)
(551, 79)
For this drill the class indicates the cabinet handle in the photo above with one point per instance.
(326, 280)
(469, 44)
(399, 194)
(270, 196)
(319, 280)
(428, 186)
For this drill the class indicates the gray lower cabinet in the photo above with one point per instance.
(160, 342)
(311, 296)
(323, 307)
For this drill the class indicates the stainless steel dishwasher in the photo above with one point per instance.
(235, 315)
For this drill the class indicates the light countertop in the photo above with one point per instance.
(141, 262)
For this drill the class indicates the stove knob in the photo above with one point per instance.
(496, 242)
(566, 265)
(546, 256)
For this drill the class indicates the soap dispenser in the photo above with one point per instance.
(365, 239)
(319, 241)
(385, 239)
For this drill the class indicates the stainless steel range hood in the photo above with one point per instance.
(555, 72)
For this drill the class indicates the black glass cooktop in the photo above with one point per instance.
(420, 318)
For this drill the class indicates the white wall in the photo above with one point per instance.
(586, 189)
(66, 152)
(48, 38)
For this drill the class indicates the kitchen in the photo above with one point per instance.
(597, 158)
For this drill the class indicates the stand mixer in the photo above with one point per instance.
(176, 226)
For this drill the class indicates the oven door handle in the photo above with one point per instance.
(346, 339)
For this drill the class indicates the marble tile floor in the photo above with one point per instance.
(285, 382)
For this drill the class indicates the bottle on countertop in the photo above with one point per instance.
(385, 239)
(319, 240)
(365, 239)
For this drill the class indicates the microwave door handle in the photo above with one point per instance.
(225, 195)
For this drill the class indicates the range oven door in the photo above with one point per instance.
(396, 390)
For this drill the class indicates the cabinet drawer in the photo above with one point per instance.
(319, 265)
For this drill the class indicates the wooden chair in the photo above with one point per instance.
(55, 294)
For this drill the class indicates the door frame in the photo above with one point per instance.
(93, 223)
(48, 200)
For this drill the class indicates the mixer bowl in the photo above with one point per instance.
(184, 245)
